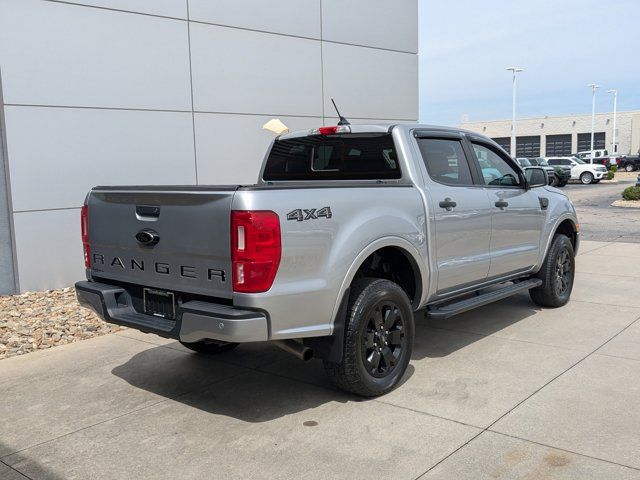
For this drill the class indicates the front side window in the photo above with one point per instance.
(495, 169)
(445, 161)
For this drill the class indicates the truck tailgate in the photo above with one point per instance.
(175, 238)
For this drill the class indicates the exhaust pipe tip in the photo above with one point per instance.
(297, 349)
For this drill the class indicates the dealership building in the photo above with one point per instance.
(554, 136)
(126, 92)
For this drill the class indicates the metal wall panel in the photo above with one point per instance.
(370, 83)
(7, 277)
(56, 263)
(241, 71)
(58, 154)
(374, 23)
(291, 17)
(60, 54)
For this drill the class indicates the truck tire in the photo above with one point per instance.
(553, 180)
(210, 347)
(629, 167)
(557, 274)
(586, 178)
(378, 339)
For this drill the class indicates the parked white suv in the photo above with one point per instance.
(596, 155)
(580, 170)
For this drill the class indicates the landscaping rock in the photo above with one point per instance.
(39, 320)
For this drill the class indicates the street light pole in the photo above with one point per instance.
(615, 108)
(594, 87)
(514, 70)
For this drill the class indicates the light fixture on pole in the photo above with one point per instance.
(593, 87)
(514, 70)
(615, 108)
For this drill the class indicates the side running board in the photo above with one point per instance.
(451, 309)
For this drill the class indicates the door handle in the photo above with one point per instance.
(447, 204)
(501, 204)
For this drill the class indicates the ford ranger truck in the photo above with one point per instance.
(349, 231)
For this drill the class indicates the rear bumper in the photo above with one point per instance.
(195, 320)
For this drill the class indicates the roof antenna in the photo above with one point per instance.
(342, 121)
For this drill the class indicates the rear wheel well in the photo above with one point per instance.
(568, 228)
(395, 264)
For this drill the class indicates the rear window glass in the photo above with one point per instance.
(345, 157)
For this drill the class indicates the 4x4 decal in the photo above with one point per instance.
(301, 214)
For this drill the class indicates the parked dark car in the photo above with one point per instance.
(628, 163)
(562, 173)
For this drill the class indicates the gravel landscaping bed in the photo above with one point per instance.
(626, 203)
(38, 320)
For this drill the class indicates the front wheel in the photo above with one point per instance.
(586, 178)
(553, 180)
(629, 168)
(378, 339)
(210, 347)
(557, 274)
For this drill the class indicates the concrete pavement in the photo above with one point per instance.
(507, 391)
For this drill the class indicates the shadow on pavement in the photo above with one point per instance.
(439, 338)
(245, 394)
(19, 463)
(258, 382)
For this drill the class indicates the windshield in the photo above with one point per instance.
(542, 162)
(524, 162)
(577, 160)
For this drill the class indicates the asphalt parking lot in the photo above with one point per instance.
(509, 391)
(598, 220)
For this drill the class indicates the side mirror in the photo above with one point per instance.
(535, 177)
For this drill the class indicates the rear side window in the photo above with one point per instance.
(445, 161)
(340, 157)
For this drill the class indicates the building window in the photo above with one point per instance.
(558, 145)
(528, 147)
(584, 141)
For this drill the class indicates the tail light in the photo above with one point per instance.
(255, 249)
(84, 229)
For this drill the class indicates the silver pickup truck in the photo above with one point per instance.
(348, 232)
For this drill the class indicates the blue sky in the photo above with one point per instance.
(564, 45)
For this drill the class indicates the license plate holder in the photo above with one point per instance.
(159, 303)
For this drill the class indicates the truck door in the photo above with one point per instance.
(460, 211)
(516, 212)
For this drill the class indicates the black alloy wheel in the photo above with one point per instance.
(563, 272)
(383, 340)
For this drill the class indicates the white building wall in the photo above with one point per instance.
(175, 91)
(627, 126)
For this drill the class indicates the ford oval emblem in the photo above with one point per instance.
(148, 237)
